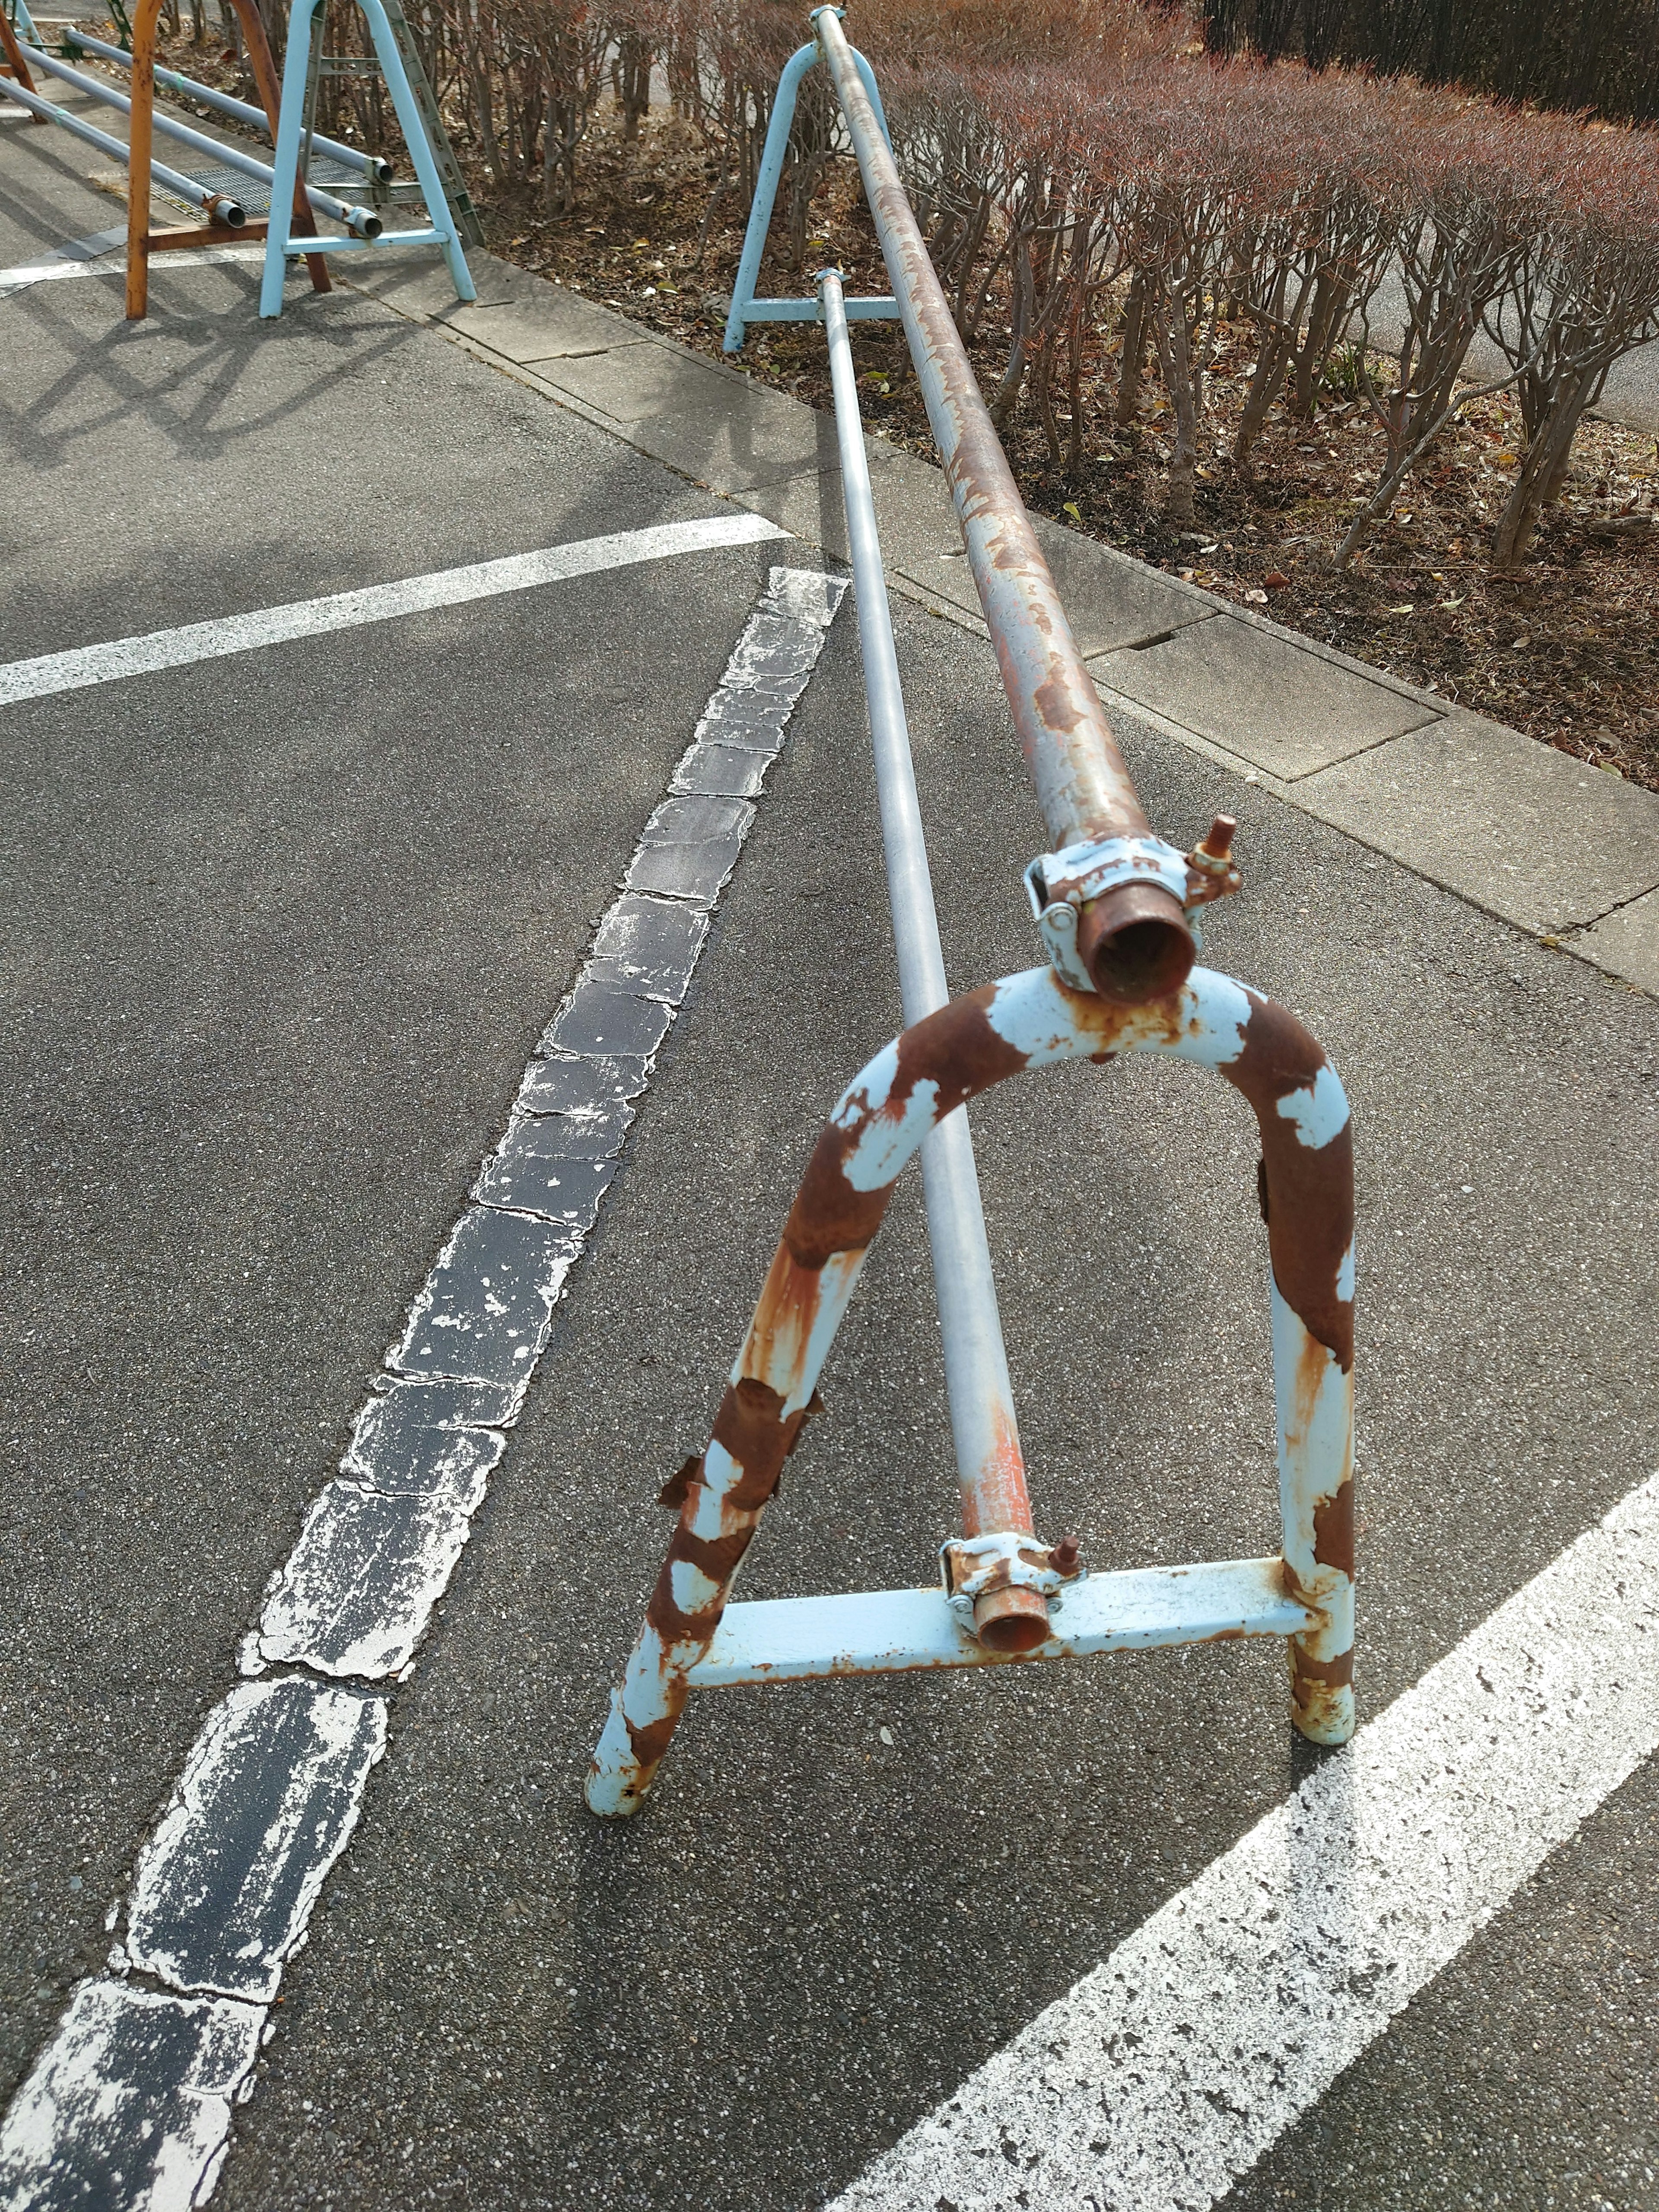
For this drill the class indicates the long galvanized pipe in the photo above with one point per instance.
(1133, 939)
(373, 166)
(989, 1464)
(362, 222)
(225, 209)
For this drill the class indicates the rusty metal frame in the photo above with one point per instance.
(1115, 907)
(689, 1639)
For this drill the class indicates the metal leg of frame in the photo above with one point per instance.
(285, 160)
(881, 1121)
(296, 69)
(420, 151)
(766, 184)
(1315, 1399)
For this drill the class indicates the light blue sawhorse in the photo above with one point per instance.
(745, 307)
(280, 246)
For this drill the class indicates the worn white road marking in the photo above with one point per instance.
(83, 664)
(1167, 2072)
(84, 257)
(129, 2106)
(127, 2063)
(74, 257)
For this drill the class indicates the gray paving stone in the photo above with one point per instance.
(1626, 942)
(581, 1085)
(698, 418)
(1527, 832)
(224, 1888)
(1261, 696)
(602, 1019)
(534, 1171)
(130, 2104)
(649, 947)
(427, 1440)
(534, 321)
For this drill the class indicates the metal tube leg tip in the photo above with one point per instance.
(1322, 1696)
(616, 1783)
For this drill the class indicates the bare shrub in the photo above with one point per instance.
(1184, 171)
(1477, 187)
(1314, 231)
(1586, 292)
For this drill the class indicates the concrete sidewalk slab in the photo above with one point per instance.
(1528, 833)
(1261, 696)
(1626, 942)
(534, 329)
(700, 419)
(1113, 602)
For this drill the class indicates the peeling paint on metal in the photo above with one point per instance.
(879, 1122)
(1320, 1112)
(130, 2105)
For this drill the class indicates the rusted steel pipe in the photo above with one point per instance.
(1134, 939)
(1029, 1021)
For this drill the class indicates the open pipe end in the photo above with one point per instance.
(1134, 940)
(222, 210)
(1013, 1619)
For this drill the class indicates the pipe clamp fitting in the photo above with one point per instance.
(1061, 884)
(970, 1568)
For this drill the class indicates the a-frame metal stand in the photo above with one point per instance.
(450, 214)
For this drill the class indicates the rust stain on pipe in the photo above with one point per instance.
(1084, 789)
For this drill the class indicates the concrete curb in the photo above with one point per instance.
(1561, 849)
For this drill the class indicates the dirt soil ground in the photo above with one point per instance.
(1568, 650)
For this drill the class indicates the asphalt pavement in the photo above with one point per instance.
(282, 932)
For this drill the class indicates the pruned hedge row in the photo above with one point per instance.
(1082, 162)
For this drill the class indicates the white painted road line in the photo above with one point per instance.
(129, 2106)
(84, 665)
(1167, 2072)
(83, 257)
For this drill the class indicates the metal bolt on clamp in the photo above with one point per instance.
(971, 1567)
(1061, 884)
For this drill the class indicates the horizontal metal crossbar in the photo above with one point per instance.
(811, 311)
(888, 1632)
(301, 249)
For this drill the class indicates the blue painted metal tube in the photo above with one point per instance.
(363, 220)
(375, 166)
(809, 311)
(296, 66)
(985, 1430)
(766, 193)
(185, 188)
(300, 249)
